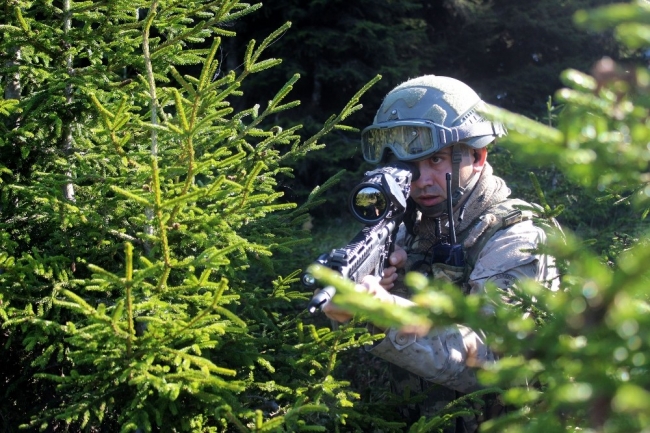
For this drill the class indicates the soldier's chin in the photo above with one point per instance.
(437, 210)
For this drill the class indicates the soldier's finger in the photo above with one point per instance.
(398, 257)
(370, 280)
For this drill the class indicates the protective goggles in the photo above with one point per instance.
(415, 139)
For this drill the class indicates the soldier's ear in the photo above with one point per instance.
(480, 156)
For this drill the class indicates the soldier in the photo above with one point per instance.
(433, 123)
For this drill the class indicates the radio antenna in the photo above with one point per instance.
(450, 212)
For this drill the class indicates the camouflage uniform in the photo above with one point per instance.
(497, 240)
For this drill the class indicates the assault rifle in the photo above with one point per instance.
(379, 202)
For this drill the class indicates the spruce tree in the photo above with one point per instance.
(141, 286)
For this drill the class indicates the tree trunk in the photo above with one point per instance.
(68, 188)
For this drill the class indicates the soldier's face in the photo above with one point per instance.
(430, 188)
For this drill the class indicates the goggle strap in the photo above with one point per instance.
(462, 132)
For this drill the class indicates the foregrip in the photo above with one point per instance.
(321, 298)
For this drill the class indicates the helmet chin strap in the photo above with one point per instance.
(457, 191)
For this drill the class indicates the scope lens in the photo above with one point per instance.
(308, 280)
(369, 204)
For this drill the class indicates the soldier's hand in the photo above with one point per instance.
(370, 284)
(397, 260)
(335, 312)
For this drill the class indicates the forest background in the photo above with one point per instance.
(512, 53)
(151, 246)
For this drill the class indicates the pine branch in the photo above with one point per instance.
(352, 106)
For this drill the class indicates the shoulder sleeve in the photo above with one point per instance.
(510, 255)
(508, 249)
(445, 356)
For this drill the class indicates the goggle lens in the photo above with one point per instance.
(406, 142)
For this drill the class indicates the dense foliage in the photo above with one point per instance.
(139, 212)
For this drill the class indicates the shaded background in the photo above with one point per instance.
(511, 52)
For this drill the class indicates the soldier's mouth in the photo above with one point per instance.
(429, 200)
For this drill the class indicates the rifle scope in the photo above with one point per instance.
(381, 194)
